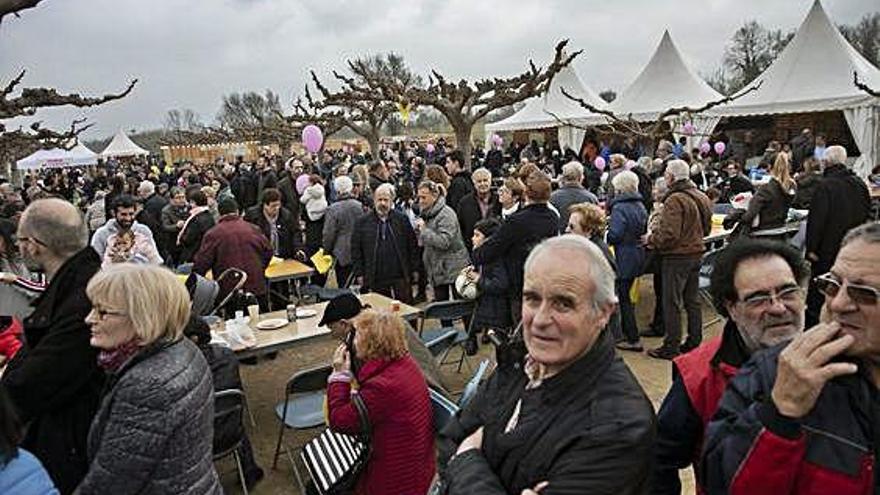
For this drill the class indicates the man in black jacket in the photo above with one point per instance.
(569, 415)
(518, 234)
(287, 187)
(479, 205)
(460, 184)
(278, 225)
(383, 248)
(54, 381)
(736, 182)
(840, 202)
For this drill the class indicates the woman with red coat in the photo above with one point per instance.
(394, 390)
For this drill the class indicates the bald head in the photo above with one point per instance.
(57, 225)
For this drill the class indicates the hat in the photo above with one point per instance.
(341, 307)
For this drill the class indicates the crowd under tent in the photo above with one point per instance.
(812, 81)
(122, 146)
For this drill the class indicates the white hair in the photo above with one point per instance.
(481, 171)
(835, 154)
(343, 184)
(678, 169)
(385, 187)
(625, 181)
(146, 187)
(599, 269)
(572, 172)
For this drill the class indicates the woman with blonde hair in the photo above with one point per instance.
(399, 413)
(153, 431)
(768, 208)
(511, 195)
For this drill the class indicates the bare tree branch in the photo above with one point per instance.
(15, 6)
(32, 99)
(864, 87)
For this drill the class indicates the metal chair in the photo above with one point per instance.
(238, 277)
(707, 264)
(324, 293)
(230, 403)
(443, 408)
(470, 389)
(303, 405)
(460, 309)
(443, 343)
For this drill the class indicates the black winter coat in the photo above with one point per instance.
(469, 213)
(460, 186)
(289, 232)
(515, 239)
(191, 238)
(840, 202)
(289, 197)
(588, 429)
(769, 204)
(493, 305)
(364, 245)
(54, 381)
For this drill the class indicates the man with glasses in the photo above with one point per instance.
(758, 285)
(54, 381)
(803, 417)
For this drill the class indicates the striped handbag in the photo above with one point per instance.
(336, 460)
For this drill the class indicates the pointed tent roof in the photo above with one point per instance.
(121, 146)
(538, 113)
(666, 82)
(813, 73)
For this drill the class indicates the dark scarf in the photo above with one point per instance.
(113, 359)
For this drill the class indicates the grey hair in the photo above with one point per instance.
(385, 187)
(600, 270)
(572, 172)
(661, 184)
(866, 232)
(343, 184)
(146, 187)
(835, 154)
(481, 171)
(64, 233)
(625, 181)
(678, 169)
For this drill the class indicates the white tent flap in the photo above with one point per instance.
(864, 124)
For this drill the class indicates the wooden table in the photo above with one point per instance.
(307, 328)
(288, 270)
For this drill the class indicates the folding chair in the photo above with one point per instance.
(460, 309)
(443, 408)
(325, 293)
(237, 278)
(302, 408)
(706, 266)
(229, 406)
(470, 389)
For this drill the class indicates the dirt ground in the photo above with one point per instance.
(264, 384)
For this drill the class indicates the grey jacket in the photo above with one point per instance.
(153, 432)
(566, 196)
(339, 223)
(445, 253)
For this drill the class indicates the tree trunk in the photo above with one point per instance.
(373, 141)
(463, 140)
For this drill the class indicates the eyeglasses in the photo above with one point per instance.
(103, 313)
(829, 286)
(762, 300)
(20, 239)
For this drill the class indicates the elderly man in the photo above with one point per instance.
(569, 415)
(383, 248)
(339, 221)
(54, 381)
(840, 202)
(151, 213)
(123, 239)
(444, 251)
(460, 184)
(518, 234)
(802, 417)
(571, 192)
(759, 286)
(686, 219)
(479, 205)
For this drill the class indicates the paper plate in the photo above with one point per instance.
(306, 313)
(272, 324)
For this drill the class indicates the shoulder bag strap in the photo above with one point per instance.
(361, 406)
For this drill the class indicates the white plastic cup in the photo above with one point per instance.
(253, 312)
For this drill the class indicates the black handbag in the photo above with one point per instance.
(335, 460)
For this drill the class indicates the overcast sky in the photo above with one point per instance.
(188, 53)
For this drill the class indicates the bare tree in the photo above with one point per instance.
(182, 120)
(464, 103)
(864, 87)
(252, 116)
(751, 50)
(865, 36)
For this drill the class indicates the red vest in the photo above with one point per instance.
(705, 385)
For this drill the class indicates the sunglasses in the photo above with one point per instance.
(863, 295)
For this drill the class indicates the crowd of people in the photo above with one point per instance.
(110, 367)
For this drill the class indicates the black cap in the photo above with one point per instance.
(341, 307)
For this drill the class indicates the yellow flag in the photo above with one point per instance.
(404, 109)
(322, 261)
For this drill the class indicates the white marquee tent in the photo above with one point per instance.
(814, 73)
(78, 156)
(546, 111)
(122, 146)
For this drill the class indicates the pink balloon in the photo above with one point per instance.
(719, 148)
(705, 147)
(496, 140)
(312, 138)
(599, 163)
(629, 165)
(302, 182)
(688, 128)
(429, 148)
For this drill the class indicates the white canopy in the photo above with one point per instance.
(78, 156)
(122, 146)
(666, 82)
(814, 73)
(546, 111)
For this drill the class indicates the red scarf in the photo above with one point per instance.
(111, 360)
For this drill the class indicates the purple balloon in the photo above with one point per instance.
(688, 128)
(599, 163)
(705, 147)
(302, 182)
(719, 148)
(429, 148)
(496, 140)
(312, 138)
